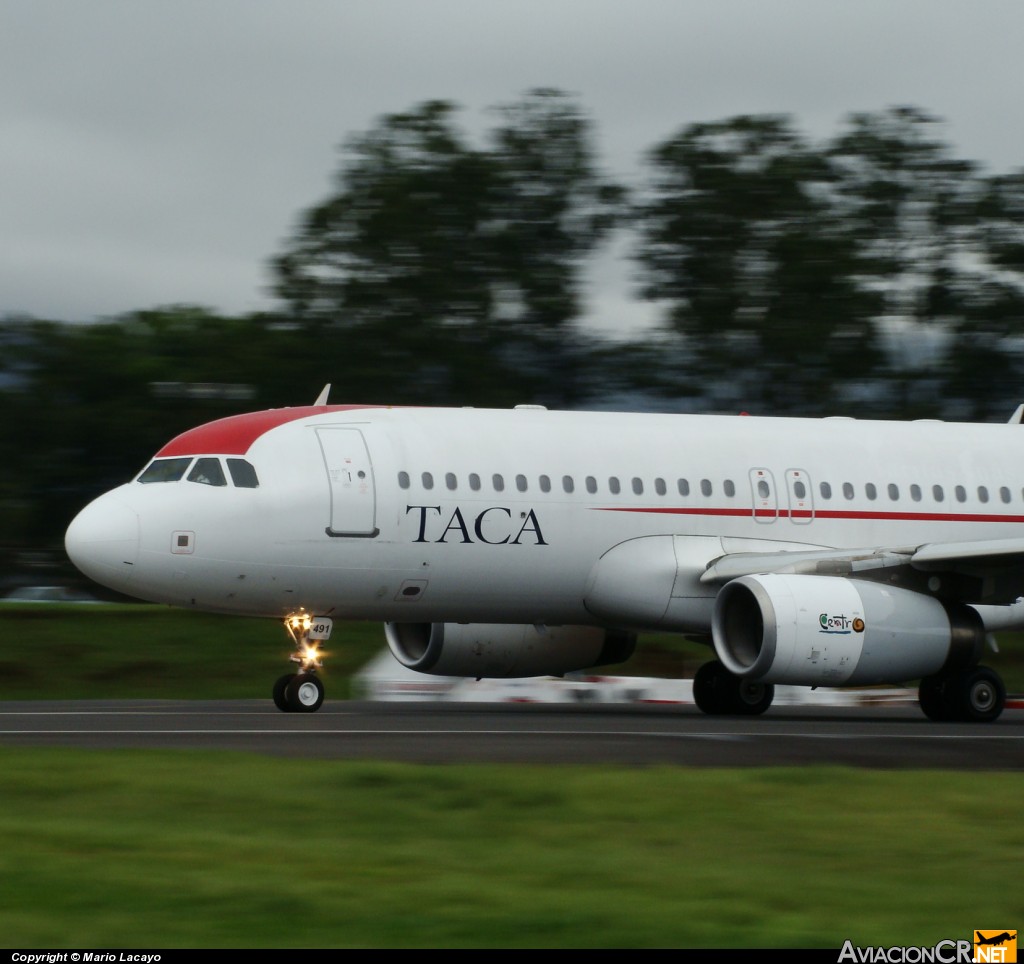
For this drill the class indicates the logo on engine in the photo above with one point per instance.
(840, 625)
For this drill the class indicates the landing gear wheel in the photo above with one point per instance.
(753, 698)
(280, 701)
(981, 695)
(976, 696)
(934, 699)
(304, 693)
(717, 692)
(711, 688)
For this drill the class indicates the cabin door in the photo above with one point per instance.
(350, 478)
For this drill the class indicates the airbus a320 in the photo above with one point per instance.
(525, 542)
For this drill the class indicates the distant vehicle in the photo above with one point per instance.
(48, 594)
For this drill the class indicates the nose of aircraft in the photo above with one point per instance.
(103, 541)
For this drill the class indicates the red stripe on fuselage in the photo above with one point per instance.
(826, 514)
(236, 433)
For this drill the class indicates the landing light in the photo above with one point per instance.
(307, 631)
(309, 657)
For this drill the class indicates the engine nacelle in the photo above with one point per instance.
(829, 631)
(498, 651)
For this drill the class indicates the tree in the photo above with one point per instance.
(910, 204)
(444, 262)
(912, 209)
(84, 406)
(551, 204)
(553, 208)
(740, 241)
(985, 360)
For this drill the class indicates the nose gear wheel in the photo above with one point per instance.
(301, 692)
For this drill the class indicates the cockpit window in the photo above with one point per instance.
(208, 471)
(165, 470)
(243, 474)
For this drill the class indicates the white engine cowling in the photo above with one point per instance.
(830, 631)
(498, 651)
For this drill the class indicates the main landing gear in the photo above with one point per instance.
(302, 692)
(976, 695)
(718, 692)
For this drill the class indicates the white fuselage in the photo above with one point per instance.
(467, 515)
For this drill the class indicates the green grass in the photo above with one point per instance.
(132, 651)
(188, 849)
(166, 849)
(129, 651)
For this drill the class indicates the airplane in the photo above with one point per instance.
(1000, 938)
(824, 552)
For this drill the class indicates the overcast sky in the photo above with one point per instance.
(158, 151)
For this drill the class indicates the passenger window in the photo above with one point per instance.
(660, 487)
(826, 490)
(961, 493)
(207, 472)
(684, 487)
(847, 490)
(451, 481)
(937, 494)
(638, 486)
(799, 489)
(428, 480)
(498, 482)
(243, 474)
(894, 491)
(915, 492)
(165, 470)
(730, 489)
(591, 484)
(982, 494)
(870, 491)
(1004, 494)
(474, 481)
(763, 490)
(521, 483)
(403, 480)
(705, 487)
(545, 484)
(567, 484)
(613, 485)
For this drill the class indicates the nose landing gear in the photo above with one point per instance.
(303, 692)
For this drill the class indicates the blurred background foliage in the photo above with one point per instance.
(875, 274)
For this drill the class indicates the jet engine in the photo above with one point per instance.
(494, 650)
(830, 631)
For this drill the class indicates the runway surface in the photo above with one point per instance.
(884, 737)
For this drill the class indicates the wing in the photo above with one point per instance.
(671, 582)
(982, 572)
